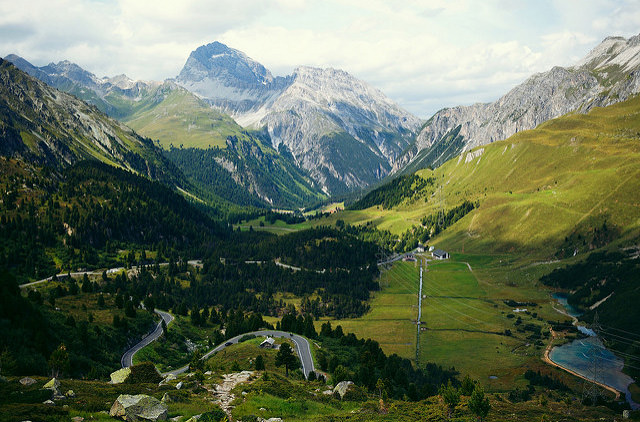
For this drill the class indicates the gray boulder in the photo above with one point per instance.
(138, 408)
(27, 381)
(342, 388)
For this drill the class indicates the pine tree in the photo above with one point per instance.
(259, 364)
(479, 404)
(286, 357)
(451, 397)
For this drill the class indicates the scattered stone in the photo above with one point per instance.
(176, 419)
(274, 420)
(327, 392)
(262, 409)
(27, 381)
(179, 385)
(77, 419)
(3, 379)
(626, 414)
(342, 388)
(54, 384)
(138, 407)
(222, 392)
(49, 403)
(208, 373)
(244, 393)
(166, 398)
(70, 393)
(120, 376)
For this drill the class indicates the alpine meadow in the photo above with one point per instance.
(227, 242)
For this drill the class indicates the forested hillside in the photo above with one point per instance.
(82, 216)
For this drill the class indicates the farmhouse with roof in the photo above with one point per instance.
(440, 254)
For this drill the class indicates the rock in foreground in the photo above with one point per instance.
(138, 408)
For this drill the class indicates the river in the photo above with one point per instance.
(580, 354)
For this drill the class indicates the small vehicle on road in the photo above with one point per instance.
(228, 343)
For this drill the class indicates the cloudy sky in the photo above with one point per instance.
(424, 54)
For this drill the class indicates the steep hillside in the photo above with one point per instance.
(45, 126)
(565, 188)
(608, 74)
(248, 172)
(344, 132)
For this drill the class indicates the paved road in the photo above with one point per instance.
(127, 358)
(302, 347)
(193, 262)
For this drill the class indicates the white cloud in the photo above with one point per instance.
(424, 56)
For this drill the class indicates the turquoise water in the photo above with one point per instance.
(580, 355)
(562, 299)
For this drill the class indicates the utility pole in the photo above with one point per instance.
(418, 323)
(591, 390)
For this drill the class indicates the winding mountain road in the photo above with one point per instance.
(302, 347)
(127, 358)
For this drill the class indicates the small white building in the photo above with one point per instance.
(420, 248)
(440, 254)
(268, 343)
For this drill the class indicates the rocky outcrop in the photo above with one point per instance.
(608, 74)
(120, 376)
(342, 388)
(138, 408)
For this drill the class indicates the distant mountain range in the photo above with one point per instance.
(608, 74)
(328, 132)
(340, 130)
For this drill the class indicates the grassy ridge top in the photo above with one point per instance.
(570, 184)
(174, 116)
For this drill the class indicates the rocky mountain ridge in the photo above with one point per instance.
(608, 74)
(46, 126)
(344, 132)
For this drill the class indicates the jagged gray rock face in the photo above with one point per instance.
(608, 74)
(229, 79)
(343, 131)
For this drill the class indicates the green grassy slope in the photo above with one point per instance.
(561, 180)
(174, 116)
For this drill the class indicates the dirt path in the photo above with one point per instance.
(222, 392)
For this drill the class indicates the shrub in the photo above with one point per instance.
(145, 372)
(355, 393)
(246, 337)
(214, 415)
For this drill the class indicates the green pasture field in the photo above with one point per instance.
(394, 309)
(464, 318)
